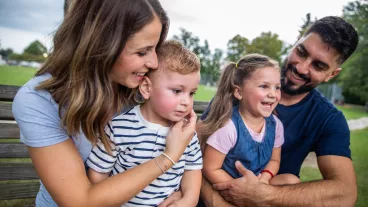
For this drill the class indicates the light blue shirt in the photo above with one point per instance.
(37, 115)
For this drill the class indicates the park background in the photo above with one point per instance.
(349, 91)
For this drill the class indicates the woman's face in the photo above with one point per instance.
(138, 56)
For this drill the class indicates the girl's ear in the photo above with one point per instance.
(145, 88)
(237, 93)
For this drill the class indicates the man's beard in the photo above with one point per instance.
(287, 85)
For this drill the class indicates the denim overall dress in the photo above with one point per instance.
(252, 154)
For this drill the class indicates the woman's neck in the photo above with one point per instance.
(255, 123)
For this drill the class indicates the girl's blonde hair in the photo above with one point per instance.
(86, 46)
(234, 74)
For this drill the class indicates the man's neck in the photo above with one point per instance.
(288, 100)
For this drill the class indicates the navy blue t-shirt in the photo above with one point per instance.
(312, 125)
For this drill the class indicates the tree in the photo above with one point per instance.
(209, 68)
(236, 48)
(267, 44)
(6, 53)
(36, 48)
(354, 76)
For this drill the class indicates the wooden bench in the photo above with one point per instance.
(18, 178)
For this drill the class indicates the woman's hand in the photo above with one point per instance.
(172, 199)
(180, 135)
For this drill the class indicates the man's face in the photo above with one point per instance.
(310, 62)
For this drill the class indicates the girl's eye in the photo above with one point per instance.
(192, 93)
(263, 86)
(278, 88)
(176, 91)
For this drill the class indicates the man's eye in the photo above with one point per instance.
(300, 52)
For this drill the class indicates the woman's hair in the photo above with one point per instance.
(234, 74)
(86, 46)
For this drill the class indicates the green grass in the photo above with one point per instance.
(351, 112)
(15, 75)
(204, 93)
(359, 143)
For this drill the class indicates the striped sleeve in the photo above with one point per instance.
(100, 160)
(193, 158)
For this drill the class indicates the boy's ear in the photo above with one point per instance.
(237, 93)
(145, 87)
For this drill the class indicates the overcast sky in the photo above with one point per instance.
(23, 21)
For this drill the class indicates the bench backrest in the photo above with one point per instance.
(15, 164)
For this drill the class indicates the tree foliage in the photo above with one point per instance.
(36, 48)
(266, 43)
(354, 76)
(210, 63)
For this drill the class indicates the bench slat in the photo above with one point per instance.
(18, 190)
(7, 93)
(199, 106)
(13, 150)
(9, 130)
(6, 111)
(17, 171)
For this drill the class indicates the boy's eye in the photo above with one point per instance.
(176, 91)
(192, 93)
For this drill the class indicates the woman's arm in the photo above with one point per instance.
(96, 177)
(62, 171)
(272, 166)
(212, 166)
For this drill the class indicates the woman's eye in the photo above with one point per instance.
(142, 53)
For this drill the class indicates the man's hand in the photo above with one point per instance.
(245, 191)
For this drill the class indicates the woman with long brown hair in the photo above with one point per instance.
(102, 50)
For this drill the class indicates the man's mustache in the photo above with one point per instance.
(293, 69)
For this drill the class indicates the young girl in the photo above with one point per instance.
(139, 135)
(245, 131)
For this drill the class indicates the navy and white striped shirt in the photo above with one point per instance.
(135, 141)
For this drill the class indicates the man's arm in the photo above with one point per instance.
(212, 197)
(338, 187)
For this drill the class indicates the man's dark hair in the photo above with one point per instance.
(337, 33)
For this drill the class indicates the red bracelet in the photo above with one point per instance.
(267, 171)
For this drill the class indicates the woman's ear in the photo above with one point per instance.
(145, 88)
(237, 93)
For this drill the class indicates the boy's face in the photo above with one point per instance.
(171, 95)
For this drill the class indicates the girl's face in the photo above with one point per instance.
(260, 94)
(138, 56)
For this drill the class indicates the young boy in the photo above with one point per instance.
(138, 135)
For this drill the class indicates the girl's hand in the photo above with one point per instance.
(179, 136)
